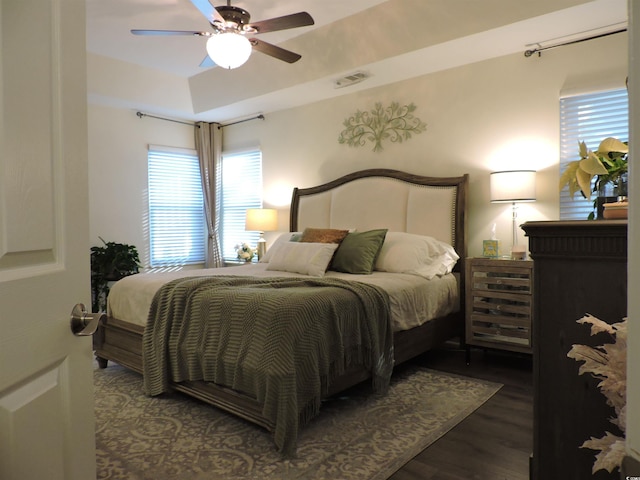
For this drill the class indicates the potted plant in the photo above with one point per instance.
(109, 263)
(608, 164)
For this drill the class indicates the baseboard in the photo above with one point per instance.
(630, 469)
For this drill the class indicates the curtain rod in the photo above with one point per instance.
(257, 117)
(529, 53)
(140, 115)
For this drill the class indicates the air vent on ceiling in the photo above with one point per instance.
(350, 79)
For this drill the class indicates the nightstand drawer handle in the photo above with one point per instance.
(499, 282)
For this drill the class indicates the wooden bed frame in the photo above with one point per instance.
(121, 342)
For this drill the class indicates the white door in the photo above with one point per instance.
(46, 388)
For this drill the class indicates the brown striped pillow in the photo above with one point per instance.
(323, 235)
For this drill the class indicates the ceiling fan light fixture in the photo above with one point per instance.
(228, 49)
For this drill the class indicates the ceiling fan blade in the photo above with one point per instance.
(171, 32)
(208, 10)
(274, 51)
(207, 62)
(294, 20)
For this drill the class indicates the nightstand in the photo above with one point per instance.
(237, 263)
(499, 304)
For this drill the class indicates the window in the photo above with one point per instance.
(241, 189)
(588, 118)
(176, 207)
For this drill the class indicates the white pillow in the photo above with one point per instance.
(285, 237)
(416, 254)
(303, 257)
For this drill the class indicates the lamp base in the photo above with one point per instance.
(261, 248)
(518, 252)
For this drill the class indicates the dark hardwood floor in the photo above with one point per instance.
(493, 443)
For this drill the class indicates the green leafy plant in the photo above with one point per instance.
(109, 263)
(394, 122)
(608, 164)
(608, 363)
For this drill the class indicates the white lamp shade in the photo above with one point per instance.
(261, 219)
(228, 50)
(513, 186)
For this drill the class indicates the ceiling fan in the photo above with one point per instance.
(228, 44)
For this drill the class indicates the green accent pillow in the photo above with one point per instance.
(358, 252)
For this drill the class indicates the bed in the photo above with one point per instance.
(408, 319)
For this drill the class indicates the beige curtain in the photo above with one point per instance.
(209, 147)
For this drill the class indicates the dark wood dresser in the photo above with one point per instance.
(579, 267)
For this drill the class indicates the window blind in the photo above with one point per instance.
(241, 189)
(588, 118)
(176, 207)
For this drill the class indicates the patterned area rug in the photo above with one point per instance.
(356, 436)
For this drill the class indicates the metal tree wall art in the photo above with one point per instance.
(396, 123)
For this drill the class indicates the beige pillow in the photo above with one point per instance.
(305, 258)
(416, 254)
(323, 235)
(285, 237)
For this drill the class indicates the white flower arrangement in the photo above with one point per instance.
(608, 363)
(244, 252)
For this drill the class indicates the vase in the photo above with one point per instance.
(622, 187)
(606, 194)
(612, 201)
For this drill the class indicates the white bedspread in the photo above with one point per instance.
(414, 300)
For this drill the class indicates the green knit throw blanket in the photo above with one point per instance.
(280, 340)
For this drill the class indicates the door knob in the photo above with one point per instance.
(83, 323)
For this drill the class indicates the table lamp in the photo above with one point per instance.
(514, 187)
(261, 220)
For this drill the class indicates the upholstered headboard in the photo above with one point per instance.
(383, 198)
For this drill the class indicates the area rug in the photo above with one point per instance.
(357, 436)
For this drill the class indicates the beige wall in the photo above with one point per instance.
(493, 115)
(118, 142)
(500, 114)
